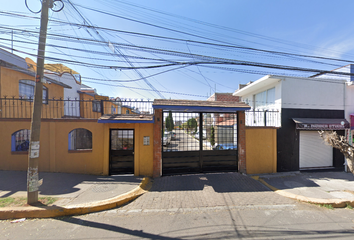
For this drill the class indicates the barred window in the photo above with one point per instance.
(26, 90)
(20, 140)
(122, 139)
(80, 139)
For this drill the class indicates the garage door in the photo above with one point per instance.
(313, 152)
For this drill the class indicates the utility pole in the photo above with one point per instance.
(33, 155)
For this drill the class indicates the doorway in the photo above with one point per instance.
(121, 151)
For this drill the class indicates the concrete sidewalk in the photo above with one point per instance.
(81, 194)
(76, 193)
(331, 188)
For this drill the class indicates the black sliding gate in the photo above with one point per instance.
(199, 142)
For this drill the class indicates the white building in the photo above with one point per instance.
(306, 105)
(63, 74)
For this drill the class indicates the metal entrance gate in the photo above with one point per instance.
(199, 142)
(121, 151)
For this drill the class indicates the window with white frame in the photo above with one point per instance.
(26, 90)
(80, 139)
(265, 99)
(20, 140)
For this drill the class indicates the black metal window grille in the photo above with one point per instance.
(80, 139)
(199, 131)
(71, 107)
(122, 139)
(20, 140)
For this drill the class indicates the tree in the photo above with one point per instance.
(339, 142)
(192, 124)
(169, 122)
(212, 136)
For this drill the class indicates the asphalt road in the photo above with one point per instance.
(214, 206)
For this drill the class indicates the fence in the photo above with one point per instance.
(263, 118)
(72, 108)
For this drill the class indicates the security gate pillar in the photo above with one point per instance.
(157, 161)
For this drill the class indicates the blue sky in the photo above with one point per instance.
(316, 28)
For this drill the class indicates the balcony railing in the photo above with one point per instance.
(72, 108)
(263, 118)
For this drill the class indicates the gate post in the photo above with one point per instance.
(241, 141)
(157, 161)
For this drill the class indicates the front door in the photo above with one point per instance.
(121, 153)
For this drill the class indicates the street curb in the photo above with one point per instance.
(55, 211)
(335, 203)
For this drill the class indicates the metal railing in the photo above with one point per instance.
(73, 108)
(263, 118)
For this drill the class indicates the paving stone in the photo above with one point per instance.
(173, 193)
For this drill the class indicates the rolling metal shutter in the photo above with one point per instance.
(313, 152)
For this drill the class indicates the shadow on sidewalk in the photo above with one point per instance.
(221, 183)
(12, 182)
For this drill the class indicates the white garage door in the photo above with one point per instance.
(313, 152)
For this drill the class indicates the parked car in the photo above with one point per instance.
(166, 139)
(225, 146)
(197, 135)
(173, 136)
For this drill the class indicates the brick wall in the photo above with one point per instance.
(241, 142)
(157, 162)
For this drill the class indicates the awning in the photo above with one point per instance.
(126, 118)
(321, 123)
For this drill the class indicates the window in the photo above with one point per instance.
(122, 139)
(80, 139)
(127, 112)
(20, 140)
(96, 106)
(26, 90)
(265, 99)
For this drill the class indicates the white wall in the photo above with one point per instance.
(257, 118)
(349, 106)
(249, 98)
(300, 93)
(311, 93)
(72, 108)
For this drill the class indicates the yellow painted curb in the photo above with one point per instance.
(335, 203)
(55, 211)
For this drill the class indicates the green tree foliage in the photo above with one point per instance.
(192, 124)
(212, 136)
(169, 122)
